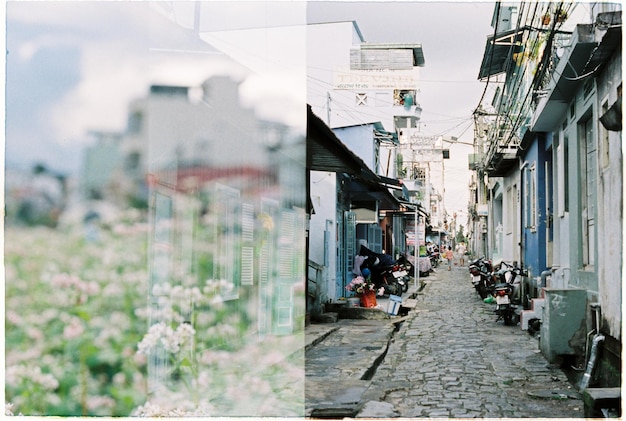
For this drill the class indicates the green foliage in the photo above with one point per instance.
(460, 237)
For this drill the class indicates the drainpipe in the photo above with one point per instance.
(599, 338)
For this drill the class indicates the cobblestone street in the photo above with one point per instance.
(450, 358)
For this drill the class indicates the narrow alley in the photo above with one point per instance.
(449, 358)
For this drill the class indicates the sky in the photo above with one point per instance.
(453, 37)
(73, 67)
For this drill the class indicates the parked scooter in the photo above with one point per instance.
(481, 271)
(508, 294)
(402, 271)
(434, 258)
(385, 271)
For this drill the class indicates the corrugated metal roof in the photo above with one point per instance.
(325, 152)
(418, 53)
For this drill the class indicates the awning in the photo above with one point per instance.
(420, 208)
(565, 82)
(325, 152)
(364, 193)
(498, 50)
(611, 41)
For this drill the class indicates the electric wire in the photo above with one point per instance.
(507, 108)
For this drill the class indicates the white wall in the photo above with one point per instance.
(360, 140)
(610, 205)
(511, 217)
(323, 196)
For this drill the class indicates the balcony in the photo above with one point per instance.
(553, 100)
(500, 160)
(474, 161)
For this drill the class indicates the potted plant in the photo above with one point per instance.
(365, 289)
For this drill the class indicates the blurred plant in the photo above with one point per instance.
(73, 311)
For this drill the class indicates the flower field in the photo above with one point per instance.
(74, 313)
(78, 341)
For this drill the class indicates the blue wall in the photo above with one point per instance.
(534, 238)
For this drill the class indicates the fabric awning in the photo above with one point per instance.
(498, 51)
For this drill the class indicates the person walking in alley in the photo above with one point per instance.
(449, 256)
(461, 250)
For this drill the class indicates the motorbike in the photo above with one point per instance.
(481, 272)
(507, 293)
(434, 258)
(403, 270)
(386, 272)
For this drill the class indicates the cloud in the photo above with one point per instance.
(121, 47)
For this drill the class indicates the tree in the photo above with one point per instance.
(460, 237)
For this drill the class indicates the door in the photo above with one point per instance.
(346, 250)
(548, 212)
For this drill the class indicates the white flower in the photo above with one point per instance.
(74, 329)
(95, 402)
(31, 374)
(161, 334)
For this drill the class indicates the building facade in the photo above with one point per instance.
(548, 171)
(364, 92)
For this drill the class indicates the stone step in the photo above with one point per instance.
(599, 398)
(535, 312)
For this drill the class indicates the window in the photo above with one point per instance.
(404, 97)
(531, 197)
(604, 138)
(588, 169)
(566, 174)
(132, 161)
(419, 174)
(511, 209)
(361, 99)
(562, 169)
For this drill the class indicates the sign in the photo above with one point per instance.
(374, 79)
(419, 140)
(482, 210)
(410, 233)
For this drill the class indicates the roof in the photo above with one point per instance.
(325, 152)
(418, 53)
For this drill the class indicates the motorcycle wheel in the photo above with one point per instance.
(482, 291)
(510, 318)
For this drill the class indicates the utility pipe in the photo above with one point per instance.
(597, 340)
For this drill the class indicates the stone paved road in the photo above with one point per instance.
(451, 359)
